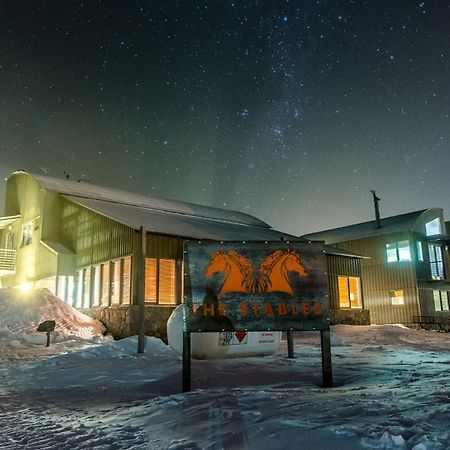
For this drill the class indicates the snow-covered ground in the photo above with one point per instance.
(85, 391)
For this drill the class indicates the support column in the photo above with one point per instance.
(141, 292)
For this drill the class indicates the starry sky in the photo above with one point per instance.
(291, 111)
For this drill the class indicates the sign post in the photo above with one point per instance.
(256, 286)
(186, 361)
(325, 343)
(290, 343)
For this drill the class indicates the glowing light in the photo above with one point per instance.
(27, 287)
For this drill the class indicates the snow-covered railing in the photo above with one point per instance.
(7, 260)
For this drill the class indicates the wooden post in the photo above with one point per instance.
(290, 343)
(141, 292)
(326, 358)
(48, 339)
(186, 361)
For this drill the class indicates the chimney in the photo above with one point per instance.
(376, 200)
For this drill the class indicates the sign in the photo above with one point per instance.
(255, 286)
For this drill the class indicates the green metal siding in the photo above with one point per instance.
(380, 277)
(92, 237)
(341, 266)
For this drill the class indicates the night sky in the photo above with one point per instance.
(291, 111)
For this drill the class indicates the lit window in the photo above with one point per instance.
(391, 252)
(434, 227)
(97, 276)
(27, 233)
(11, 240)
(404, 253)
(441, 300)
(104, 296)
(398, 251)
(115, 291)
(419, 251)
(150, 279)
(126, 281)
(160, 281)
(349, 292)
(436, 262)
(397, 297)
(87, 288)
(167, 281)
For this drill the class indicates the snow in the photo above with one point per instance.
(391, 390)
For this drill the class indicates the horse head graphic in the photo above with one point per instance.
(239, 276)
(275, 268)
(236, 268)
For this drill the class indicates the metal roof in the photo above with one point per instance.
(91, 191)
(168, 217)
(5, 221)
(177, 224)
(402, 222)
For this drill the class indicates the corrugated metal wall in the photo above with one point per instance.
(92, 237)
(380, 277)
(340, 266)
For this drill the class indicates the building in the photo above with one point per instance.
(407, 273)
(84, 243)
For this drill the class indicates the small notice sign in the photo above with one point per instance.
(233, 338)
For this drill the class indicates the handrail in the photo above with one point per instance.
(7, 259)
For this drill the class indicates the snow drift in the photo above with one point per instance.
(22, 312)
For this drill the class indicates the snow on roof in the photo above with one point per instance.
(57, 247)
(178, 224)
(402, 222)
(5, 221)
(91, 191)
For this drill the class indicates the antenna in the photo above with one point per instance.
(376, 200)
(69, 172)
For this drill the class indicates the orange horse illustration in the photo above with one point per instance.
(237, 271)
(274, 269)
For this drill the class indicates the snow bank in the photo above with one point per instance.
(21, 313)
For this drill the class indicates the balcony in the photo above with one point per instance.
(7, 261)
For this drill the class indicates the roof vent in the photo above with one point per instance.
(376, 200)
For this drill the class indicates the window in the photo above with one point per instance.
(434, 227)
(441, 300)
(167, 281)
(115, 291)
(11, 240)
(27, 233)
(349, 292)
(87, 288)
(419, 251)
(126, 281)
(397, 297)
(104, 294)
(398, 251)
(96, 290)
(436, 262)
(160, 281)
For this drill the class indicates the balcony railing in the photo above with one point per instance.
(7, 261)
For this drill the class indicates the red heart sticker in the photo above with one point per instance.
(240, 335)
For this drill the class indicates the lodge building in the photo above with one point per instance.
(407, 273)
(83, 242)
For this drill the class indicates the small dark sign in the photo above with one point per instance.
(47, 326)
(256, 286)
